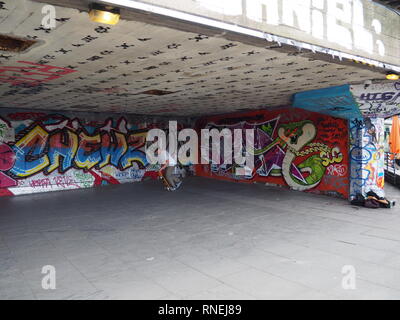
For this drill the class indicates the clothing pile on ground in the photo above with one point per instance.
(372, 200)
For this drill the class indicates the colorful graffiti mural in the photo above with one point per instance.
(305, 152)
(367, 156)
(378, 100)
(55, 152)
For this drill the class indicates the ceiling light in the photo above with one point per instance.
(104, 14)
(392, 76)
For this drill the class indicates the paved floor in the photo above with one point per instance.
(209, 240)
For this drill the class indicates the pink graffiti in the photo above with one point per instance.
(31, 74)
(7, 157)
(40, 183)
(7, 160)
(338, 170)
(61, 182)
(64, 181)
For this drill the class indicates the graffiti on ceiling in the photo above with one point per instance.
(378, 100)
(335, 101)
(83, 66)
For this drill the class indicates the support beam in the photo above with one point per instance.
(367, 156)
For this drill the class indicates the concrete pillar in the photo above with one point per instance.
(367, 156)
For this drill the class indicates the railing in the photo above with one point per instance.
(392, 168)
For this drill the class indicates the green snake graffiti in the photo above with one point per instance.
(296, 136)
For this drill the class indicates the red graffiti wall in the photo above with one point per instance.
(295, 148)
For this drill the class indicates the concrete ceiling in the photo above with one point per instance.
(395, 4)
(113, 66)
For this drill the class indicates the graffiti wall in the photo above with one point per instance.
(367, 156)
(47, 152)
(378, 100)
(295, 148)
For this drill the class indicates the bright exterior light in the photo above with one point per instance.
(104, 14)
(392, 76)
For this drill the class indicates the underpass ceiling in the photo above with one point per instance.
(395, 4)
(110, 68)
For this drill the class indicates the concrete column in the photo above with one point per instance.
(367, 156)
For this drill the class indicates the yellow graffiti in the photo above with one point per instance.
(130, 161)
(39, 136)
(334, 156)
(109, 170)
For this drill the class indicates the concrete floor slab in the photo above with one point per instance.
(209, 240)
